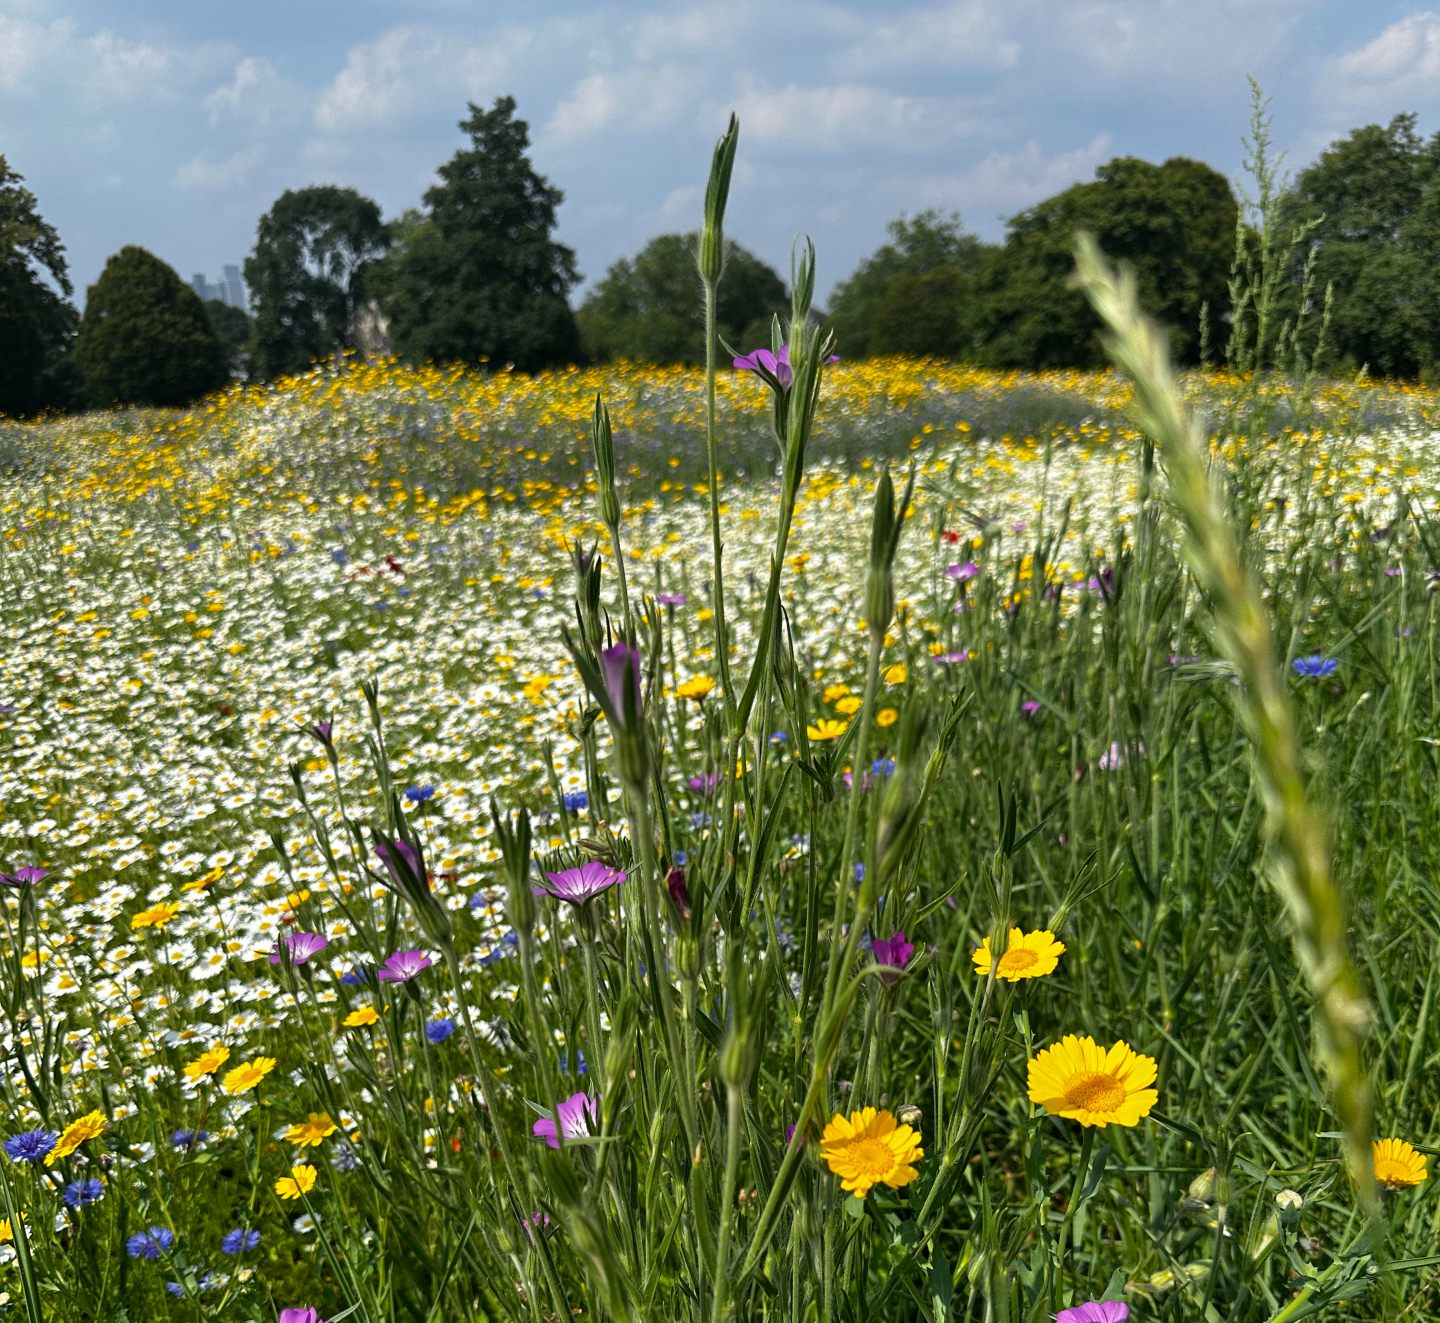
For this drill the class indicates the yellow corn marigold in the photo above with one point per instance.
(360, 1018)
(311, 1132)
(207, 1063)
(301, 1180)
(248, 1074)
(75, 1134)
(869, 1149)
(697, 687)
(826, 729)
(1027, 955)
(1397, 1165)
(1079, 1079)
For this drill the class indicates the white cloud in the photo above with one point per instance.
(1395, 71)
(100, 66)
(1169, 44)
(637, 101)
(1007, 181)
(26, 47)
(257, 94)
(964, 34)
(846, 115)
(200, 174)
(410, 67)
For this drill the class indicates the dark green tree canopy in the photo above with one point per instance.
(912, 295)
(481, 278)
(232, 327)
(37, 321)
(144, 338)
(648, 308)
(1173, 223)
(1374, 200)
(306, 275)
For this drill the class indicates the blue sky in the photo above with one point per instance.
(174, 124)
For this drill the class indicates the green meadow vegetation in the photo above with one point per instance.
(779, 839)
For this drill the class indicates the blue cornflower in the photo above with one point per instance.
(576, 801)
(356, 977)
(31, 1146)
(882, 767)
(419, 794)
(239, 1240)
(859, 872)
(339, 556)
(150, 1244)
(79, 1193)
(681, 858)
(582, 1066)
(189, 1139)
(1315, 667)
(778, 737)
(437, 1031)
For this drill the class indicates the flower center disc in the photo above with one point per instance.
(871, 1158)
(1016, 960)
(1095, 1093)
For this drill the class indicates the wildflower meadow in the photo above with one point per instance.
(796, 839)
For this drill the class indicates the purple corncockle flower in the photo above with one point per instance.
(1315, 667)
(408, 858)
(893, 952)
(581, 885)
(1182, 659)
(773, 369)
(299, 1316)
(1095, 1311)
(1030, 707)
(950, 658)
(963, 573)
(620, 669)
(679, 893)
(575, 1116)
(403, 966)
(299, 946)
(322, 731)
(1116, 756)
(704, 785)
(24, 877)
(1104, 584)
(672, 599)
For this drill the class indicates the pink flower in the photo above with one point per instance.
(403, 966)
(299, 946)
(962, 573)
(893, 953)
(1095, 1311)
(581, 885)
(575, 1116)
(300, 1316)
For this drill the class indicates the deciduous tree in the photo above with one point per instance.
(648, 308)
(306, 275)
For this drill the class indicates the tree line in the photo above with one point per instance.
(476, 275)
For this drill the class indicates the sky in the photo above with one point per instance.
(175, 125)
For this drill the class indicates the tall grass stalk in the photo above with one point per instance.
(1300, 867)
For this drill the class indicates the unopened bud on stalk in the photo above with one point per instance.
(711, 257)
(603, 442)
(408, 877)
(514, 838)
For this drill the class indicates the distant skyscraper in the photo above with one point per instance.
(235, 289)
(230, 290)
